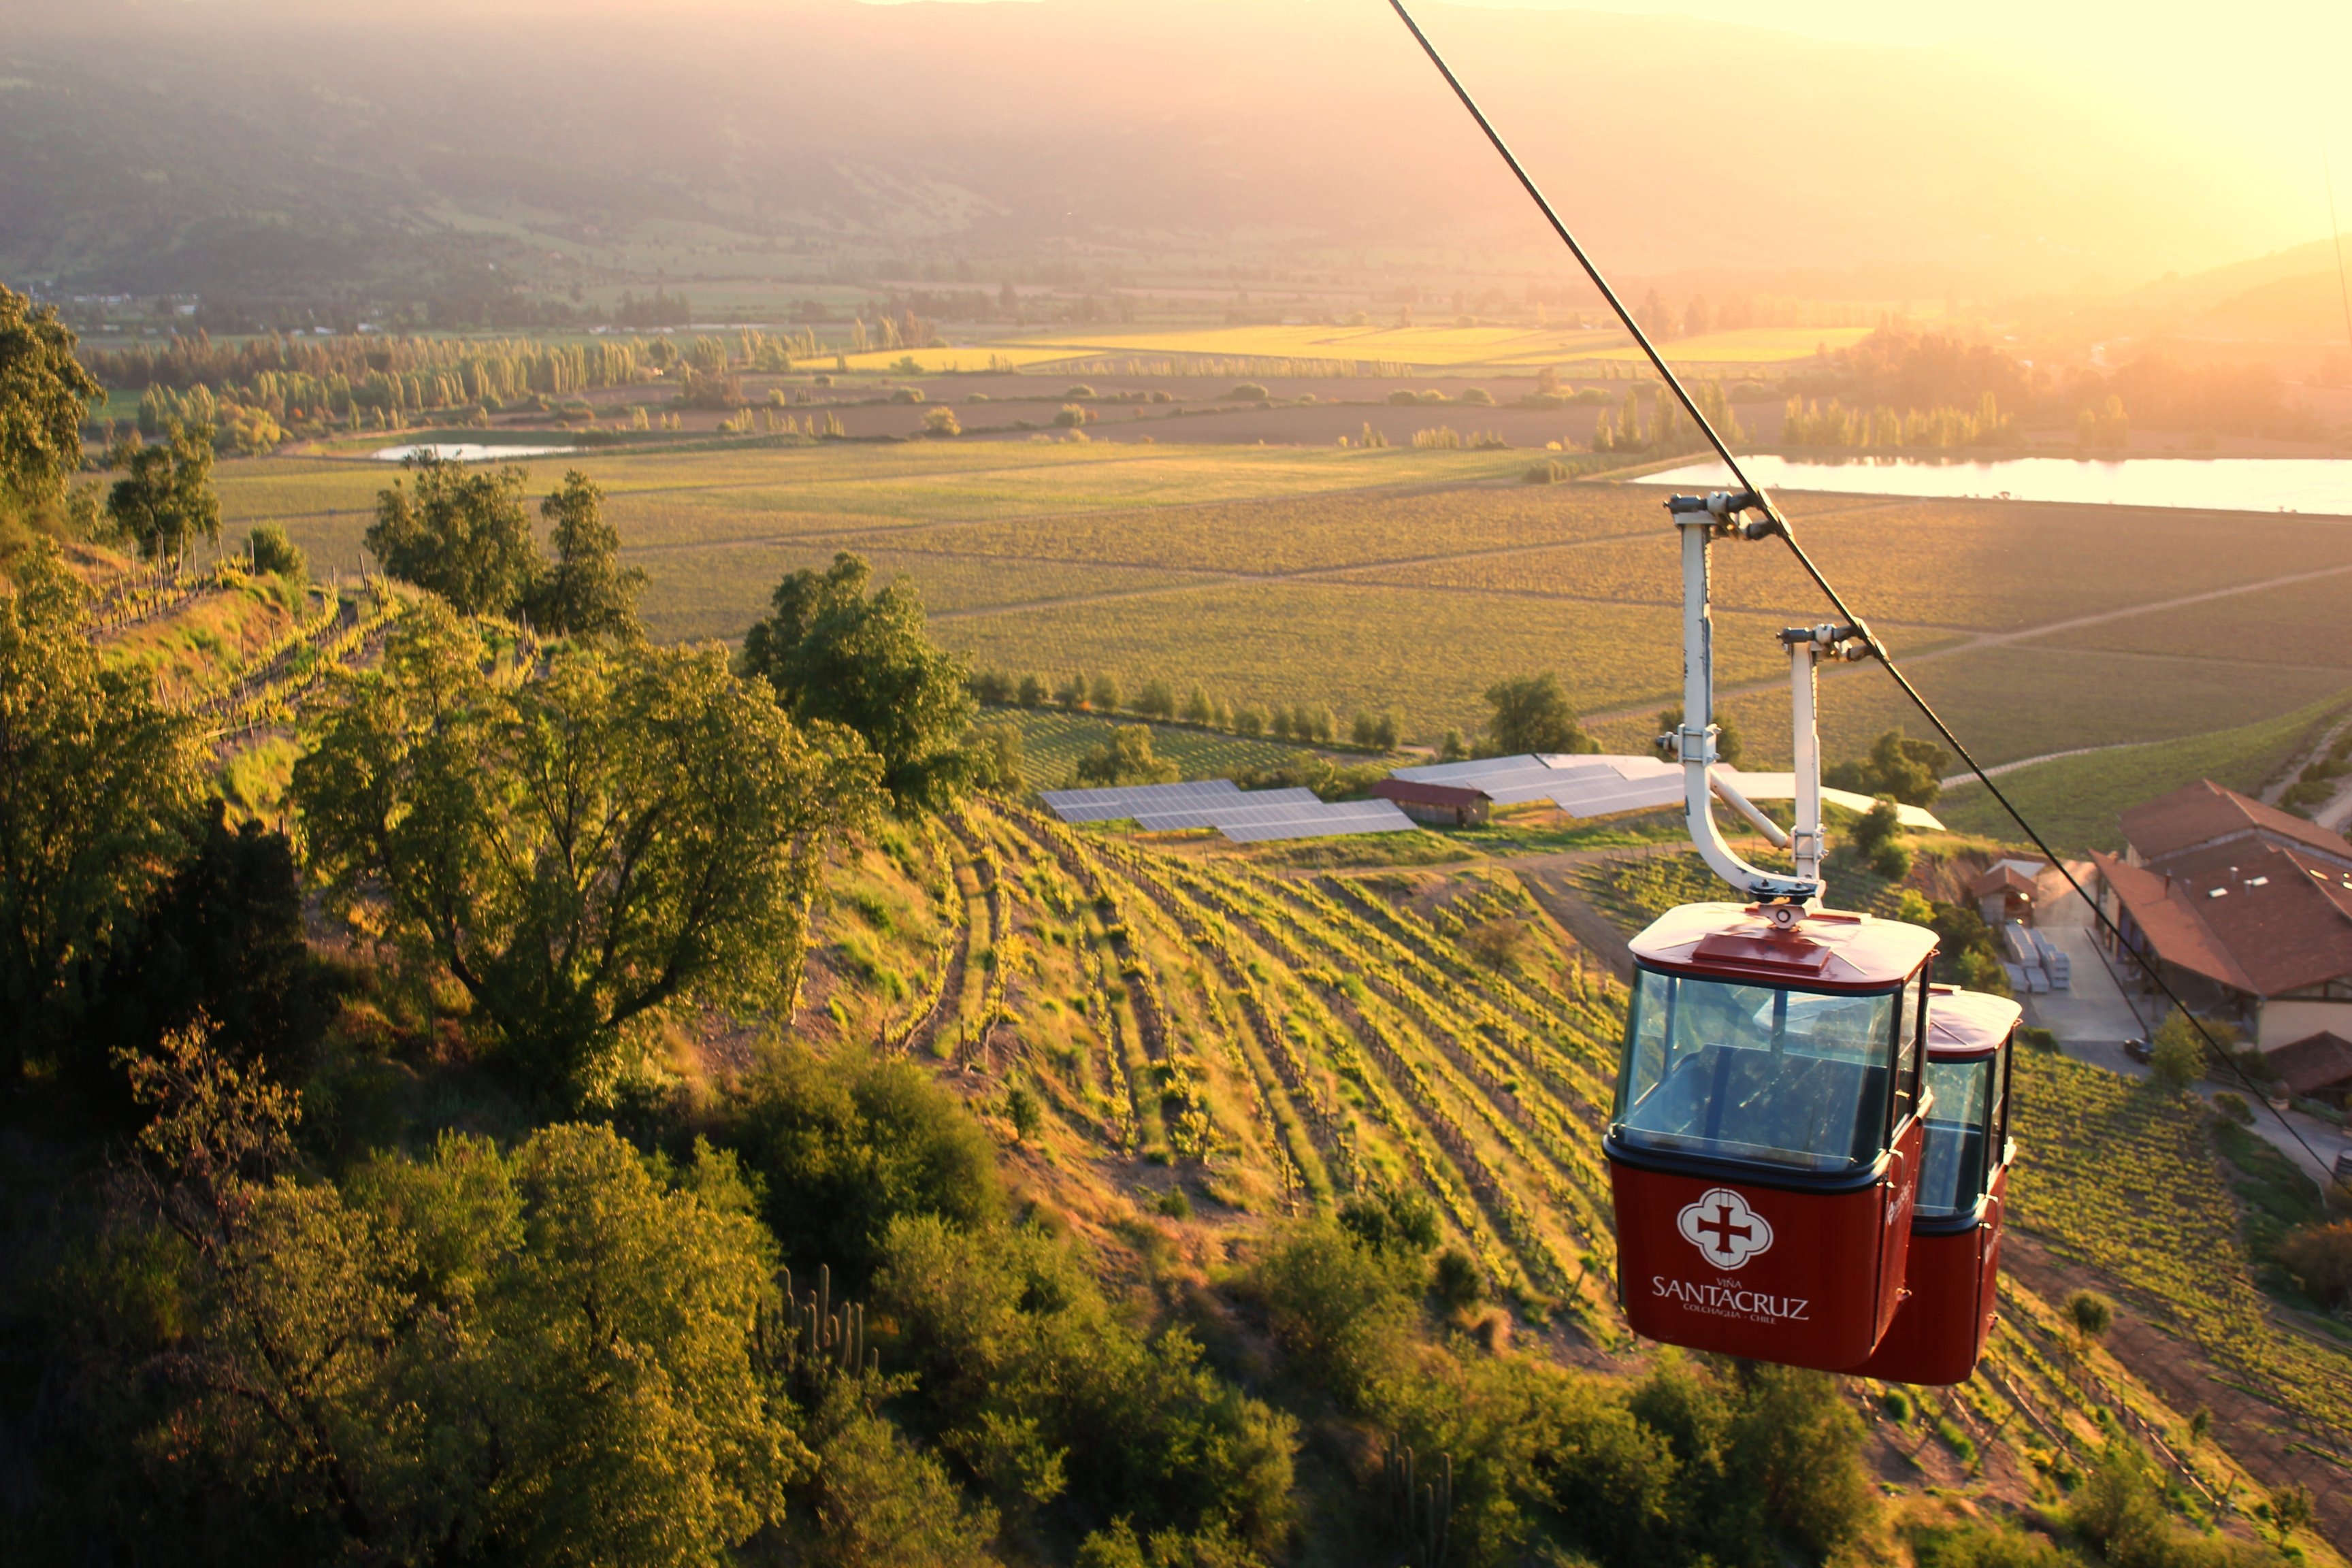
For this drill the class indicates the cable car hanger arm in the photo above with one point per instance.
(1752, 498)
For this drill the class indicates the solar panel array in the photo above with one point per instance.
(1247, 817)
(1229, 808)
(1131, 800)
(1336, 820)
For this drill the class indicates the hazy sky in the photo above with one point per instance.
(2270, 71)
(2265, 74)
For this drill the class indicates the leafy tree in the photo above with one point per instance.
(167, 500)
(999, 763)
(836, 654)
(878, 1500)
(274, 553)
(44, 393)
(97, 783)
(847, 1146)
(1531, 714)
(1907, 771)
(2176, 1055)
(1967, 949)
(1031, 693)
(582, 850)
(462, 534)
(1102, 694)
(1125, 757)
(1878, 839)
(222, 941)
(587, 593)
(548, 1356)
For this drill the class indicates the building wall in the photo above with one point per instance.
(2282, 1022)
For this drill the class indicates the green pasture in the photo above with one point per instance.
(2075, 801)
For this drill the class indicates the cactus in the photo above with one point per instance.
(1422, 1511)
(824, 1340)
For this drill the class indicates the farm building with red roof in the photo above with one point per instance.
(2245, 908)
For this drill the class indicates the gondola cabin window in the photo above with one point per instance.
(1963, 1128)
(1765, 1073)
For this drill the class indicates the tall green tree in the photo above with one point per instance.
(167, 501)
(1531, 714)
(586, 592)
(45, 395)
(97, 785)
(628, 831)
(1898, 767)
(835, 653)
(222, 939)
(461, 532)
(560, 1354)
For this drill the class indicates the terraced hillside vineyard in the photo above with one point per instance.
(1270, 1043)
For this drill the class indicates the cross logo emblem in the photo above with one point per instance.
(1727, 1232)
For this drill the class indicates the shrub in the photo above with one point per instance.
(907, 394)
(1042, 1393)
(1174, 1203)
(2178, 1059)
(848, 1145)
(1071, 417)
(1393, 1219)
(1021, 1110)
(2234, 1108)
(1343, 1312)
(2090, 1314)
(1479, 396)
(2320, 1257)
(275, 554)
(942, 421)
(1551, 471)
(1249, 392)
(1456, 1280)
(1080, 390)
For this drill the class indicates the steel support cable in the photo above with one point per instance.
(1776, 523)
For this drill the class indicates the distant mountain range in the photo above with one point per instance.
(272, 148)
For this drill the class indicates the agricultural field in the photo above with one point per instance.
(1052, 744)
(2171, 1234)
(1413, 579)
(1430, 348)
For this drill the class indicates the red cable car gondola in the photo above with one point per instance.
(1765, 1150)
(1951, 1281)
(1766, 1145)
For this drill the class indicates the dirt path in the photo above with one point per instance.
(2268, 1441)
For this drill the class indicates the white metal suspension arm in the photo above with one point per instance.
(1729, 793)
(1700, 518)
